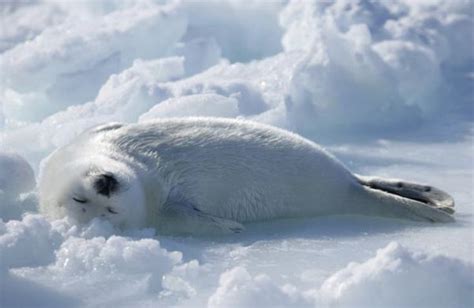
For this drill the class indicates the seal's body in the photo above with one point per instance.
(198, 174)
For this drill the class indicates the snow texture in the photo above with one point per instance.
(387, 86)
(392, 278)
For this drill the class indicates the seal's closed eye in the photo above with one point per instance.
(79, 200)
(111, 210)
(105, 184)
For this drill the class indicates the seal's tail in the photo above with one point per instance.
(414, 201)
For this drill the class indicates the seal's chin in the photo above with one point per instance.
(79, 215)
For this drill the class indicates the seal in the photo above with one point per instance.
(200, 175)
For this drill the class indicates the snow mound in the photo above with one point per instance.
(16, 174)
(100, 263)
(17, 180)
(237, 288)
(29, 242)
(81, 263)
(395, 277)
(365, 59)
(402, 278)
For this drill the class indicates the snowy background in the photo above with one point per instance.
(387, 86)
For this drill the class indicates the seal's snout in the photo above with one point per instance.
(106, 184)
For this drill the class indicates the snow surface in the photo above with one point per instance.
(387, 86)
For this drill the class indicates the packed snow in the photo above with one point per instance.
(386, 86)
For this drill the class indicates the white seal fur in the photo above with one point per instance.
(197, 175)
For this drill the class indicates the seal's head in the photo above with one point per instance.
(92, 187)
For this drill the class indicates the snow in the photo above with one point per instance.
(212, 105)
(237, 288)
(387, 87)
(17, 175)
(394, 274)
(66, 64)
(17, 179)
(402, 273)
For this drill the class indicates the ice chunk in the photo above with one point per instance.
(245, 30)
(258, 87)
(416, 70)
(342, 81)
(199, 54)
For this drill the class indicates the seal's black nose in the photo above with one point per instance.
(106, 184)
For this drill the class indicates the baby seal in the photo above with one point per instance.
(199, 175)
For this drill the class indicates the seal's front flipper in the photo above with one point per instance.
(183, 218)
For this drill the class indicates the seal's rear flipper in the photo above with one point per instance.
(424, 200)
(182, 217)
(429, 195)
